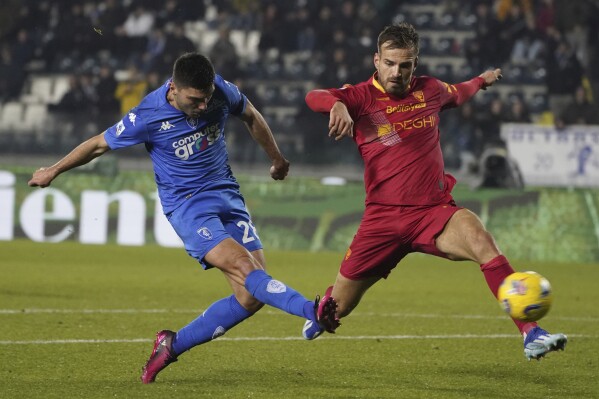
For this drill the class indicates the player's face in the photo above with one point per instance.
(192, 102)
(395, 67)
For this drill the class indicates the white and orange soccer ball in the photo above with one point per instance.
(525, 296)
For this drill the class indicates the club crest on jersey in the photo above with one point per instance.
(205, 233)
(192, 122)
(419, 95)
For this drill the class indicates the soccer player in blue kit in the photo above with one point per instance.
(181, 125)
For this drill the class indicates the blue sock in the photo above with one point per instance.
(221, 316)
(274, 293)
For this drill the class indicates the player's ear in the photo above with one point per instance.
(376, 60)
(415, 63)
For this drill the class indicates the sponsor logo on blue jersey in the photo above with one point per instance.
(199, 141)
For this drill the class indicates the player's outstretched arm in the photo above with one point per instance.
(261, 132)
(466, 90)
(340, 122)
(490, 77)
(82, 154)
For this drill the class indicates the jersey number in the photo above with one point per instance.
(246, 226)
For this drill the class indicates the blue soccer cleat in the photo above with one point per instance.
(538, 343)
(326, 317)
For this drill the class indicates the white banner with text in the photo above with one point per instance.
(547, 156)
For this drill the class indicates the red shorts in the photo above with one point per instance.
(388, 233)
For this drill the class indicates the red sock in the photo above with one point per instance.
(495, 271)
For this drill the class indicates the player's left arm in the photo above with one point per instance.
(465, 90)
(261, 132)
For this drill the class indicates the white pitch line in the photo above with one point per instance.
(271, 312)
(294, 338)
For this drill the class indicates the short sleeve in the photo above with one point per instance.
(128, 131)
(237, 100)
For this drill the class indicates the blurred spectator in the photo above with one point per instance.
(131, 91)
(528, 47)
(107, 104)
(108, 18)
(154, 81)
(134, 30)
(480, 52)
(244, 14)
(156, 43)
(76, 106)
(177, 12)
(77, 99)
(176, 44)
(579, 112)
(12, 75)
(139, 22)
(514, 26)
(272, 28)
(518, 112)
(564, 72)
(545, 16)
(223, 54)
(489, 125)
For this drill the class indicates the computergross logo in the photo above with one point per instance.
(199, 141)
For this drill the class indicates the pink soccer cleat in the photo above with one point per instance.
(161, 356)
(326, 317)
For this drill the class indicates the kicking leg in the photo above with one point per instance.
(465, 238)
(347, 295)
(214, 322)
(242, 268)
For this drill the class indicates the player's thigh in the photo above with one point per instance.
(238, 223)
(348, 293)
(199, 228)
(465, 238)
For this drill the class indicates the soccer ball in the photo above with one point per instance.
(525, 296)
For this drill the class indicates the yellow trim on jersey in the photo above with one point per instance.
(376, 83)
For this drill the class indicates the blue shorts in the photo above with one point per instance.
(207, 218)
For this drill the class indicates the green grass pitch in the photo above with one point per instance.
(78, 321)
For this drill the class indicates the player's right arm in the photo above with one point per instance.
(341, 123)
(82, 154)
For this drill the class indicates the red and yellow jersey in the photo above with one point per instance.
(398, 139)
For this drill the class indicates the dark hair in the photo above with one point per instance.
(193, 70)
(402, 36)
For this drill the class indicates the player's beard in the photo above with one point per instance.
(396, 86)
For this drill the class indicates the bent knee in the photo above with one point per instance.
(250, 303)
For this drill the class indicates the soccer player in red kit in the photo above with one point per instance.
(394, 119)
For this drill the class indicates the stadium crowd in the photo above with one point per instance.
(116, 51)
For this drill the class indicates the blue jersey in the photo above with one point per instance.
(189, 154)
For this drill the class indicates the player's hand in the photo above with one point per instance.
(279, 169)
(42, 177)
(491, 77)
(340, 123)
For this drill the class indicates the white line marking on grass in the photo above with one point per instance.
(278, 312)
(235, 339)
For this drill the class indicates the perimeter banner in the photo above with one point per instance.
(550, 157)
